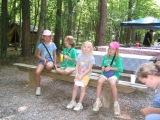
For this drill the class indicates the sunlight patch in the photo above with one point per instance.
(157, 2)
(22, 108)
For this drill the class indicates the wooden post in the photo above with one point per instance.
(32, 80)
(106, 97)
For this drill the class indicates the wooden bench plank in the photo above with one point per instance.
(93, 82)
(122, 86)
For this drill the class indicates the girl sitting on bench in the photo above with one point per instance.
(46, 55)
(68, 57)
(85, 61)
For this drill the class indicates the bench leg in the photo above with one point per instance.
(32, 80)
(106, 98)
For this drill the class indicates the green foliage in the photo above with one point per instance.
(51, 13)
(84, 15)
(146, 8)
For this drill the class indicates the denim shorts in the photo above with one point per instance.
(42, 61)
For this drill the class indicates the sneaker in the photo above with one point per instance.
(78, 107)
(71, 105)
(116, 108)
(38, 91)
(97, 105)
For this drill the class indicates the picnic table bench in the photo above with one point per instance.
(122, 86)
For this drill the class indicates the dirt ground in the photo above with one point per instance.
(18, 100)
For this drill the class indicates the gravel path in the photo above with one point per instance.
(18, 100)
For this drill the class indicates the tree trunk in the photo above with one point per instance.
(128, 30)
(42, 19)
(100, 31)
(58, 24)
(26, 46)
(4, 29)
(36, 13)
(70, 15)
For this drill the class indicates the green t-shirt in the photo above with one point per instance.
(117, 63)
(72, 53)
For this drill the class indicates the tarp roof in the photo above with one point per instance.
(143, 23)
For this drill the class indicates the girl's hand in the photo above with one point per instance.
(146, 111)
(103, 68)
(108, 68)
(66, 57)
(55, 66)
(79, 77)
(45, 61)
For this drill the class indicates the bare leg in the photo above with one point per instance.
(38, 71)
(113, 89)
(99, 87)
(112, 82)
(83, 92)
(98, 103)
(73, 101)
(74, 92)
(60, 71)
(49, 66)
(67, 71)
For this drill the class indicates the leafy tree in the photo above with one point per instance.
(81, 18)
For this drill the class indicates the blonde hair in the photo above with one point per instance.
(148, 69)
(70, 40)
(89, 44)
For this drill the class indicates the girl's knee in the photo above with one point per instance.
(49, 67)
(112, 83)
(83, 89)
(101, 81)
(37, 72)
(75, 87)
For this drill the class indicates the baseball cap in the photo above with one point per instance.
(114, 45)
(47, 33)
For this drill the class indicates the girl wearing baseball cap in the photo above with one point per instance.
(46, 55)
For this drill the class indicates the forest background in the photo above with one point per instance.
(22, 21)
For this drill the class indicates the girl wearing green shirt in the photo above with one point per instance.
(69, 54)
(116, 68)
